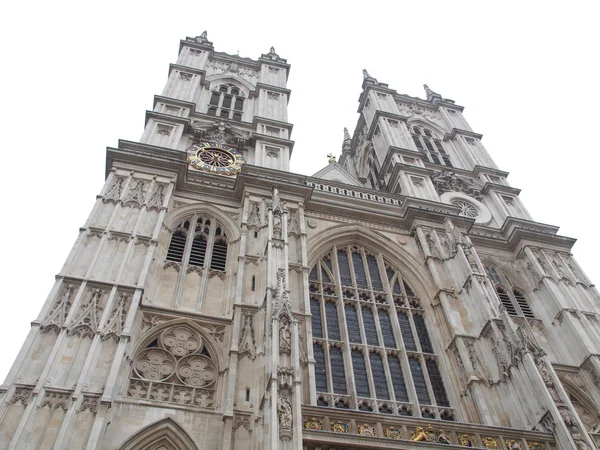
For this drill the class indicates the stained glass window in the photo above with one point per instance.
(360, 374)
(382, 321)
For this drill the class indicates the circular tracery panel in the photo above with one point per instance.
(181, 341)
(155, 364)
(197, 371)
(466, 209)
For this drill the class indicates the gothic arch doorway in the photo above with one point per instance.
(162, 435)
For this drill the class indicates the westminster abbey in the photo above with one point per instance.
(401, 297)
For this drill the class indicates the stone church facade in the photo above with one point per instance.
(402, 297)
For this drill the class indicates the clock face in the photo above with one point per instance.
(215, 158)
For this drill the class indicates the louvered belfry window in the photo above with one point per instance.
(430, 145)
(370, 338)
(195, 239)
(512, 298)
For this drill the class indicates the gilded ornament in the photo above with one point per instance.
(536, 446)
(513, 444)
(419, 435)
(491, 443)
(366, 429)
(466, 440)
(337, 426)
(392, 432)
(313, 423)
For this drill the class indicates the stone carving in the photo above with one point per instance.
(284, 410)
(116, 321)
(276, 205)
(285, 335)
(478, 366)
(172, 265)
(174, 368)
(185, 76)
(282, 306)
(57, 315)
(21, 395)
(254, 221)
(428, 91)
(286, 377)
(114, 192)
(150, 321)
(247, 344)
(220, 132)
(242, 421)
(447, 180)
(490, 443)
(89, 404)
(215, 331)
(219, 67)
(414, 109)
(346, 135)
(88, 316)
(135, 196)
(157, 198)
(573, 428)
(513, 444)
(55, 400)
(293, 223)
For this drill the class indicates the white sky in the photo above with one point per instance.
(78, 76)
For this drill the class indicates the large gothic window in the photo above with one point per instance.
(175, 367)
(226, 101)
(511, 297)
(372, 347)
(199, 241)
(430, 145)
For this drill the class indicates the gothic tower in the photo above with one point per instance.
(399, 298)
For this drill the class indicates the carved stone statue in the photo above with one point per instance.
(284, 410)
(447, 180)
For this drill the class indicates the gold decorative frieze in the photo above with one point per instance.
(491, 443)
(466, 440)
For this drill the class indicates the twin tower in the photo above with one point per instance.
(402, 297)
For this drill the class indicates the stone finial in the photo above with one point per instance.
(331, 158)
(366, 74)
(202, 38)
(429, 91)
(346, 134)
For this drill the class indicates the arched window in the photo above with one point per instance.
(194, 239)
(512, 298)
(430, 145)
(175, 366)
(370, 337)
(226, 101)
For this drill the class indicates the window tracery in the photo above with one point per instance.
(201, 242)
(227, 102)
(175, 367)
(430, 145)
(511, 297)
(368, 322)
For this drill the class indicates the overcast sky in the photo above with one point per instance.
(78, 76)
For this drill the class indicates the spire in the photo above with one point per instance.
(273, 56)
(204, 35)
(346, 134)
(366, 74)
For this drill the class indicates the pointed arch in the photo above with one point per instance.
(421, 121)
(166, 434)
(373, 239)
(174, 218)
(209, 342)
(215, 80)
(584, 406)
